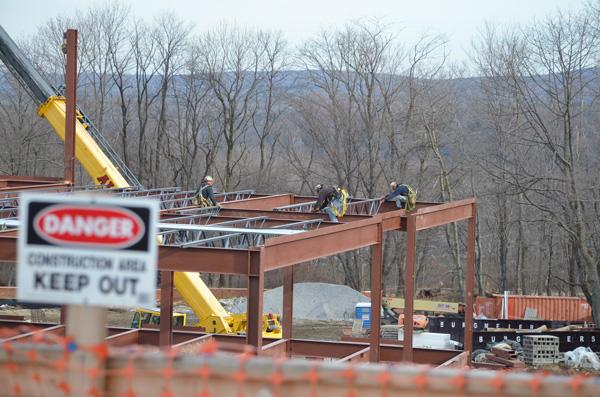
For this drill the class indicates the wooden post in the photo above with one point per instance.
(86, 326)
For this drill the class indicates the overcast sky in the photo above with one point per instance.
(458, 20)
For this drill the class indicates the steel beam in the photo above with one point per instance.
(471, 230)
(288, 302)
(212, 219)
(376, 270)
(461, 361)
(200, 340)
(389, 352)
(331, 349)
(444, 214)
(25, 337)
(394, 220)
(279, 348)
(166, 309)
(201, 259)
(316, 222)
(215, 228)
(8, 246)
(357, 357)
(126, 338)
(260, 203)
(71, 103)
(299, 207)
(297, 216)
(288, 250)
(409, 287)
(44, 187)
(256, 286)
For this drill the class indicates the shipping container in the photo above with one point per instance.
(566, 308)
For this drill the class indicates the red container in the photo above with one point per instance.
(486, 306)
(558, 308)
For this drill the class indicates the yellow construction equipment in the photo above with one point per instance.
(145, 316)
(107, 169)
(89, 154)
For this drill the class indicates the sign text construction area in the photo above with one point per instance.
(87, 250)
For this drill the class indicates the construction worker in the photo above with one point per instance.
(403, 195)
(205, 193)
(330, 200)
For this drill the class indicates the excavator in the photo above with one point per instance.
(105, 167)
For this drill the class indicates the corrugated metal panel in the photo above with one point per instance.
(486, 306)
(548, 307)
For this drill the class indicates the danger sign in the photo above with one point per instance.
(87, 250)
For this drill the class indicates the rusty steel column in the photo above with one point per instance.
(376, 270)
(63, 314)
(409, 286)
(288, 303)
(71, 101)
(166, 309)
(256, 283)
(470, 282)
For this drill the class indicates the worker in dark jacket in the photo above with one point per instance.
(205, 193)
(398, 194)
(328, 198)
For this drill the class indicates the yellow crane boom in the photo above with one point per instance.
(87, 151)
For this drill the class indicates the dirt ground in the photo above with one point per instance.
(302, 329)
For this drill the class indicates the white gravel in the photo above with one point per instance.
(312, 301)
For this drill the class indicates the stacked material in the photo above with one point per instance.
(505, 357)
(540, 349)
(500, 356)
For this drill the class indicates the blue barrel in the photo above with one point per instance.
(362, 311)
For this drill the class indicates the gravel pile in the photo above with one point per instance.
(312, 301)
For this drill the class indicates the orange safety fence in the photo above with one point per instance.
(49, 365)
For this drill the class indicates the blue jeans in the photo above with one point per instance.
(400, 201)
(329, 209)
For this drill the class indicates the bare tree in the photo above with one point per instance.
(234, 62)
(546, 67)
(101, 32)
(191, 135)
(170, 34)
(266, 124)
(146, 65)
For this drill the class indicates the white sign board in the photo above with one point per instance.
(87, 250)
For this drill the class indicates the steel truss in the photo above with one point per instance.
(249, 240)
(170, 197)
(353, 207)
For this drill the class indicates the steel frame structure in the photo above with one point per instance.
(239, 252)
